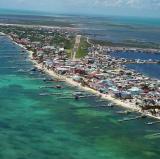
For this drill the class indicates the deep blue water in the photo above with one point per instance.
(136, 55)
(151, 70)
(119, 29)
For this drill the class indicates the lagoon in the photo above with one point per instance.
(151, 70)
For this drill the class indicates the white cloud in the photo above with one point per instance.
(89, 3)
(128, 3)
(124, 7)
(116, 3)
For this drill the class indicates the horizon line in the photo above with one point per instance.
(19, 12)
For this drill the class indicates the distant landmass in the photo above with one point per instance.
(132, 31)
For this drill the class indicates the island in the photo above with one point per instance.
(66, 55)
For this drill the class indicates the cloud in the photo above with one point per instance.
(124, 7)
(89, 3)
(129, 3)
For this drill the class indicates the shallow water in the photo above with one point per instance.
(49, 127)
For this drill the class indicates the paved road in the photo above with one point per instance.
(76, 46)
(89, 41)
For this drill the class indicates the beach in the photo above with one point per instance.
(127, 105)
(34, 126)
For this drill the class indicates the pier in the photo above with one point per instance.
(2, 34)
(90, 107)
(124, 112)
(141, 62)
(154, 122)
(132, 118)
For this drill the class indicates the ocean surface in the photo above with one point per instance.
(110, 28)
(151, 70)
(47, 127)
(122, 29)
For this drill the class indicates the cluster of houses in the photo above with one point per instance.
(100, 72)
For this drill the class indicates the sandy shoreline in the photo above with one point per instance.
(75, 29)
(42, 26)
(118, 102)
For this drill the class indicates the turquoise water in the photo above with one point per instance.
(52, 128)
(20, 12)
(143, 21)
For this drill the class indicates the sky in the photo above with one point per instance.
(148, 8)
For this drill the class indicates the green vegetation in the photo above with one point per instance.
(83, 48)
(67, 43)
(35, 20)
(61, 39)
(128, 43)
(69, 53)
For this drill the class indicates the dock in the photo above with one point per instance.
(132, 118)
(90, 107)
(151, 123)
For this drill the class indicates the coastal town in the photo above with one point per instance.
(68, 56)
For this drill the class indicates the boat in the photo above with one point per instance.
(78, 94)
(21, 70)
(58, 86)
(48, 80)
(47, 87)
(33, 69)
(77, 97)
(151, 123)
(110, 105)
(123, 112)
(44, 94)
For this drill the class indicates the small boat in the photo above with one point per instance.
(48, 80)
(77, 97)
(78, 94)
(47, 87)
(110, 105)
(151, 123)
(123, 112)
(144, 116)
(156, 134)
(21, 70)
(44, 94)
(58, 86)
(33, 69)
